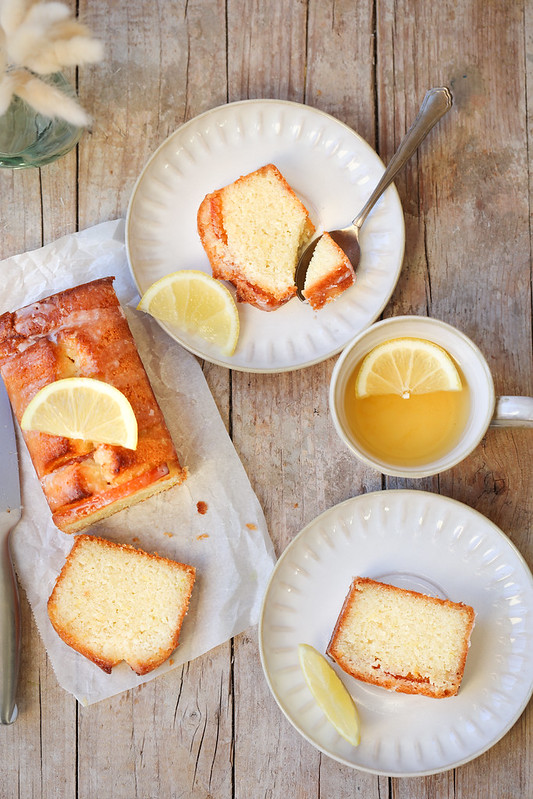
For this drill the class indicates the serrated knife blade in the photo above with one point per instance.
(10, 512)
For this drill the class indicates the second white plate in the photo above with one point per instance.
(432, 544)
(331, 168)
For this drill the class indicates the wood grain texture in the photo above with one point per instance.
(211, 729)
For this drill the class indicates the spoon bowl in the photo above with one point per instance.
(434, 105)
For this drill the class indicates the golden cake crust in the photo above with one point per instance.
(363, 667)
(328, 287)
(63, 615)
(337, 276)
(83, 332)
(224, 265)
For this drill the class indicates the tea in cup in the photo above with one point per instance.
(413, 396)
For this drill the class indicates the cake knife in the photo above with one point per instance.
(10, 513)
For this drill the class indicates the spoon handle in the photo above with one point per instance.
(434, 105)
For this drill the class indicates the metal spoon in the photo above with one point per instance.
(434, 105)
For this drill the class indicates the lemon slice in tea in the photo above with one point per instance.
(405, 366)
(330, 693)
(197, 304)
(81, 407)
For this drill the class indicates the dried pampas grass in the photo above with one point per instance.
(45, 98)
(40, 38)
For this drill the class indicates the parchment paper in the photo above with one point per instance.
(229, 544)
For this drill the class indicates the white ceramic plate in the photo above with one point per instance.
(434, 545)
(330, 167)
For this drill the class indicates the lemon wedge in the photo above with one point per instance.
(330, 693)
(196, 303)
(81, 407)
(405, 366)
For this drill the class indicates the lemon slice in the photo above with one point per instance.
(405, 366)
(197, 304)
(330, 693)
(80, 407)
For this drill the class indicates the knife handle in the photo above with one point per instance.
(9, 627)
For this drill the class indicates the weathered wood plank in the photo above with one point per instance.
(39, 749)
(266, 49)
(20, 230)
(467, 262)
(212, 729)
(281, 424)
(178, 730)
(175, 736)
(340, 77)
(158, 72)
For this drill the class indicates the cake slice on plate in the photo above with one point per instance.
(402, 640)
(253, 232)
(329, 273)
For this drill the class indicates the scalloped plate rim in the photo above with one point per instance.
(378, 498)
(394, 209)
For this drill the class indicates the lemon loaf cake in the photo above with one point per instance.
(82, 332)
(253, 232)
(330, 272)
(402, 640)
(114, 603)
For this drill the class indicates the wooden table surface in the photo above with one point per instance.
(212, 728)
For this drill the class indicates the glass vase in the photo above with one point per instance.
(28, 138)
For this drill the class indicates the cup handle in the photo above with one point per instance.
(513, 412)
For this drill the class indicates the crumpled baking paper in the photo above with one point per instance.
(228, 544)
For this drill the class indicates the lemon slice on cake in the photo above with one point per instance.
(81, 407)
(330, 693)
(406, 366)
(196, 303)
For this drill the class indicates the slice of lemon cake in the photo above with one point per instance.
(402, 640)
(253, 232)
(330, 272)
(114, 603)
